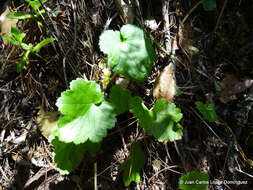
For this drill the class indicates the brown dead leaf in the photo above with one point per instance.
(185, 39)
(47, 121)
(165, 84)
(6, 24)
(231, 85)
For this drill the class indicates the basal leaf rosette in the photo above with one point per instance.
(161, 122)
(129, 52)
(86, 115)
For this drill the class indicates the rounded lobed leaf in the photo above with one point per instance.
(80, 97)
(86, 116)
(129, 52)
(91, 125)
(161, 122)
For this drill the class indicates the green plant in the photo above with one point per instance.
(194, 181)
(209, 5)
(129, 52)
(87, 114)
(132, 166)
(207, 111)
(160, 122)
(17, 39)
(37, 12)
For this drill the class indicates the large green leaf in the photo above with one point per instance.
(119, 97)
(129, 52)
(68, 156)
(80, 97)
(132, 166)
(85, 115)
(194, 181)
(161, 122)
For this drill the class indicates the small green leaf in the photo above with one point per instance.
(15, 15)
(10, 39)
(141, 112)
(207, 111)
(22, 61)
(132, 166)
(209, 5)
(85, 115)
(15, 33)
(42, 44)
(21, 37)
(25, 46)
(39, 13)
(35, 4)
(161, 122)
(129, 52)
(194, 181)
(119, 97)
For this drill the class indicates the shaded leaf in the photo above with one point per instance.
(68, 156)
(207, 111)
(141, 112)
(161, 122)
(119, 97)
(132, 166)
(209, 5)
(166, 118)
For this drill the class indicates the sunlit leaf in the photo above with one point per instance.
(129, 52)
(42, 44)
(16, 15)
(10, 39)
(85, 115)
